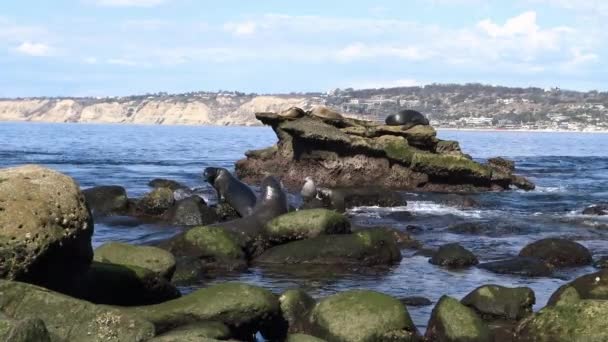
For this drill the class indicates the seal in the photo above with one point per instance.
(309, 189)
(325, 113)
(272, 201)
(293, 113)
(231, 190)
(406, 117)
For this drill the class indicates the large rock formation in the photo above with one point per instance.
(345, 152)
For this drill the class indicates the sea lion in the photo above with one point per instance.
(325, 113)
(309, 190)
(231, 190)
(406, 117)
(292, 113)
(272, 201)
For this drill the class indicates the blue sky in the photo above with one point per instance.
(122, 47)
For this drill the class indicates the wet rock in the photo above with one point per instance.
(27, 330)
(498, 302)
(399, 216)
(245, 309)
(350, 153)
(589, 286)
(453, 255)
(426, 252)
(502, 164)
(448, 147)
(69, 319)
(415, 301)
(151, 258)
(365, 248)
(403, 239)
(459, 201)
(213, 248)
(191, 211)
(296, 306)
(452, 321)
(166, 183)
(558, 252)
(303, 338)
(124, 285)
(486, 229)
(581, 321)
(522, 183)
(601, 262)
(107, 200)
(414, 229)
(598, 209)
(46, 227)
(347, 198)
(156, 202)
(196, 332)
(377, 317)
(306, 224)
(524, 266)
(225, 212)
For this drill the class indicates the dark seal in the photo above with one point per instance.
(272, 201)
(231, 190)
(406, 117)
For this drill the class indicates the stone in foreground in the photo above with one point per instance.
(558, 252)
(342, 152)
(499, 302)
(451, 321)
(154, 259)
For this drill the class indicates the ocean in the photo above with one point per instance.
(570, 170)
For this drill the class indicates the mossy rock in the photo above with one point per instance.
(306, 224)
(449, 166)
(191, 211)
(107, 200)
(154, 259)
(453, 255)
(558, 252)
(589, 286)
(303, 338)
(26, 330)
(124, 285)
(499, 302)
(296, 306)
(156, 202)
(195, 332)
(362, 316)
(452, 321)
(71, 320)
(245, 309)
(366, 247)
(584, 320)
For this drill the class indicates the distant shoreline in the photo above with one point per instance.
(522, 130)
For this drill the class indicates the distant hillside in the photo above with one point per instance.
(470, 105)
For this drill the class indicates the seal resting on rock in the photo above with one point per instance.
(325, 113)
(231, 190)
(272, 202)
(406, 117)
(292, 113)
(309, 190)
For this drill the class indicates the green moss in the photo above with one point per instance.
(214, 241)
(303, 224)
(303, 338)
(446, 165)
(452, 321)
(296, 306)
(396, 148)
(569, 296)
(360, 315)
(496, 301)
(195, 332)
(155, 259)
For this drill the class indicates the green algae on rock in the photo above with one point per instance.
(306, 224)
(452, 321)
(154, 259)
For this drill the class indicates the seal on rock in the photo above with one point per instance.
(309, 190)
(231, 190)
(406, 117)
(272, 202)
(325, 113)
(293, 113)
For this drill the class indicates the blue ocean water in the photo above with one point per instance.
(570, 169)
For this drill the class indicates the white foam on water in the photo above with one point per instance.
(549, 189)
(420, 207)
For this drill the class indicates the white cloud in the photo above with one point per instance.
(245, 28)
(129, 3)
(361, 51)
(34, 49)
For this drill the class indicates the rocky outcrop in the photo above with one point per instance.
(345, 152)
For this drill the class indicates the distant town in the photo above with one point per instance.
(469, 106)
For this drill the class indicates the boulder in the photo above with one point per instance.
(196, 332)
(45, 226)
(502, 164)
(403, 239)
(498, 302)
(597, 209)
(211, 248)
(302, 338)
(366, 248)
(362, 316)
(107, 200)
(26, 330)
(124, 285)
(156, 202)
(487, 229)
(191, 211)
(166, 183)
(348, 153)
(589, 286)
(157, 260)
(70, 319)
(581, 321)
(558, 252)
(225, 212)
(523, 266)
(341, 199)
(601, 262)
(452, 321)
(453, 255)
(296, 306)
(415, 301)
(245, 309)
(306, 224)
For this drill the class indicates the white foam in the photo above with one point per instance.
(420, 207)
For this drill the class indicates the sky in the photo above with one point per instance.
(124, 47)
